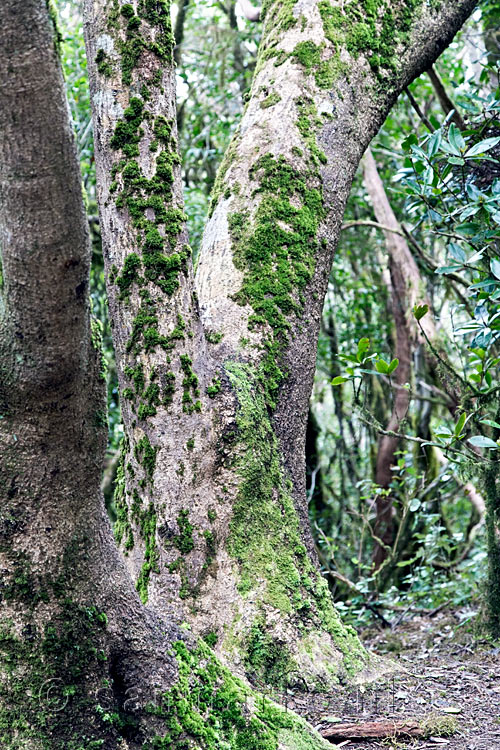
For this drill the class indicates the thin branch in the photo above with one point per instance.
(368, 223)
(250, 12)
(419, 112)
(446, 103)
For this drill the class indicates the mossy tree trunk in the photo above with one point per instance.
(72, 631)
(216, 372)
(83, 664)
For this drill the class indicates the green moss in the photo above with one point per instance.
(266, 659)
(270, 101)
(168, 388)
(211, 638)
(214, 337)
(210, 709)
(211, 515)
(56, 662)
(127, 132)
(136, 375)
(138, 40)
(145, 454)
(103, 63)
(147, 526)
(308, 123)
(97, 344)
(54, 20)
(189, 386)
(307, 54)
(279, 16)
(163, 130)
(276, 254)
(190, 444)
(214, 389)
(184, 540)
(129, 274)
(265, 536)
(219, 186)
(151, 400)
(122, 528)
(145, 329)
(370, 27)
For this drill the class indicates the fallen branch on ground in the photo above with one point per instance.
(374, 730)
(433, 725)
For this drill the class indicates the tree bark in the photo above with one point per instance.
(405, 288)
(408, 290)
(212, 512)
(446, 103)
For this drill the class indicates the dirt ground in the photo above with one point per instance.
(449, 677)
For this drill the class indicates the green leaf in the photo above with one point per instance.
(393, 366)
(382, 366)
(447, 269)
(455, 137)
(479, 441)
(415, 504)
(469, 229)
(434, 143)
(339, 380)
(482, 147)
(420, 310)
(460, 424)
(363, 346)
(490, 423)
(495, 267)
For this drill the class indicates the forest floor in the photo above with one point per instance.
(447, 674)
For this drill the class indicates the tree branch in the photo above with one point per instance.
(249, 11)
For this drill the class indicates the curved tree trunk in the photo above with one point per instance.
(212, 512)
(317, 99)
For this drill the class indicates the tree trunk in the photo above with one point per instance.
(405, 289)
(70, 618)
(212, 512)
(410, 336)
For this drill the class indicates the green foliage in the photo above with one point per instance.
(444, 188)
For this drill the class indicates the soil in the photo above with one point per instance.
(449, 678)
